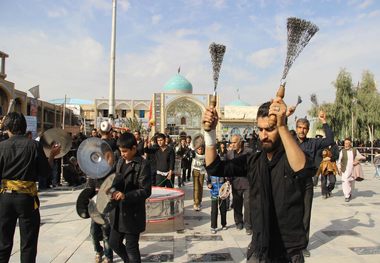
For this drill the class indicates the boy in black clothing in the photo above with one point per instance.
(132, 185)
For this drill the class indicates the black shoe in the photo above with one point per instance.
(239, 226)
(248, 232)
(306, 253)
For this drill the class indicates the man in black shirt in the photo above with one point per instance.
(165, 159)
(310, 146)
(184, 153)
(240, 187)
(22, 161)
(276, 181)
(140, 143)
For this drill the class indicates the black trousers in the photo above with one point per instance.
(184, 174)
(221, 205)
(101, 233)
(15, 206)
(297, 258)
(240, 198)
(129, 252)
(308, 203)
(327, 183)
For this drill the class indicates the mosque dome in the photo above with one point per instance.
(71, 101)
(238, 102)
(178, 84)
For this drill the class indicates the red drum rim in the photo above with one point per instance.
(179, 193)
(160, 220)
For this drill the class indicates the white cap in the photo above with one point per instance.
(105, 126)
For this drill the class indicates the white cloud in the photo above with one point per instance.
(123, 5)
(372, 14)
(57, 12)
(365, 4)
(219, 3)
(263, 58)
(183, 32)
(156, 19)
(76, 67)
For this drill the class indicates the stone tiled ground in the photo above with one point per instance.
(340, 232)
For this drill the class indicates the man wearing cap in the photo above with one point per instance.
(22, 161)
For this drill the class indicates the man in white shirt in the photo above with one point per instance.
(348, 158)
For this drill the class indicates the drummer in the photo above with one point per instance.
(131, 187)
(21, 162)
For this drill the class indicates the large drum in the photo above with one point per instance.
(165, 207)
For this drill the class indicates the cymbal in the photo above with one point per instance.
(104, 203)
(56, 136)
(95, 157)
(83, 202)
(94, 213)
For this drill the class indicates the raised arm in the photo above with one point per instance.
(210, 116)
(329, 139)
(295, 155)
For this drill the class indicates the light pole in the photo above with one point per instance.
(111, 101)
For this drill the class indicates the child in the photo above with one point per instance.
(199, 171)
(132, 185)
(328, 169)
(214, 183)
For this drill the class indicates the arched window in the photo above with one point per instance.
(184, 113)
(235, 131)
(183, 121)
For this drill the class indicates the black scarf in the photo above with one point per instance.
(267, 237)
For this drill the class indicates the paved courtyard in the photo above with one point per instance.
(340, 231)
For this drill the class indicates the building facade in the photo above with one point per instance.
(40, 115)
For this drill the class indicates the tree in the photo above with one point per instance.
(134, 124)
(366, 110)
(343, 103)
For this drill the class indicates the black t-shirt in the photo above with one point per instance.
(22, 159)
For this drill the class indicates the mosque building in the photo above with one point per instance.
(177, 109)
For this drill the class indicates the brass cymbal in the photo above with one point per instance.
(104, 203)
(94, 213)
(83, 201)
(95, 157)
(56, 136)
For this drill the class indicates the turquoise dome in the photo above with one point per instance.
(71, 101)
(178, 84)
(238, 103)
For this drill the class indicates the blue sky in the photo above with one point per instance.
(64, 46)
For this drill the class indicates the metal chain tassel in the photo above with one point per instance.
(217, 53)
(299, 34)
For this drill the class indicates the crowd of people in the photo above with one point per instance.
(272, 176)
